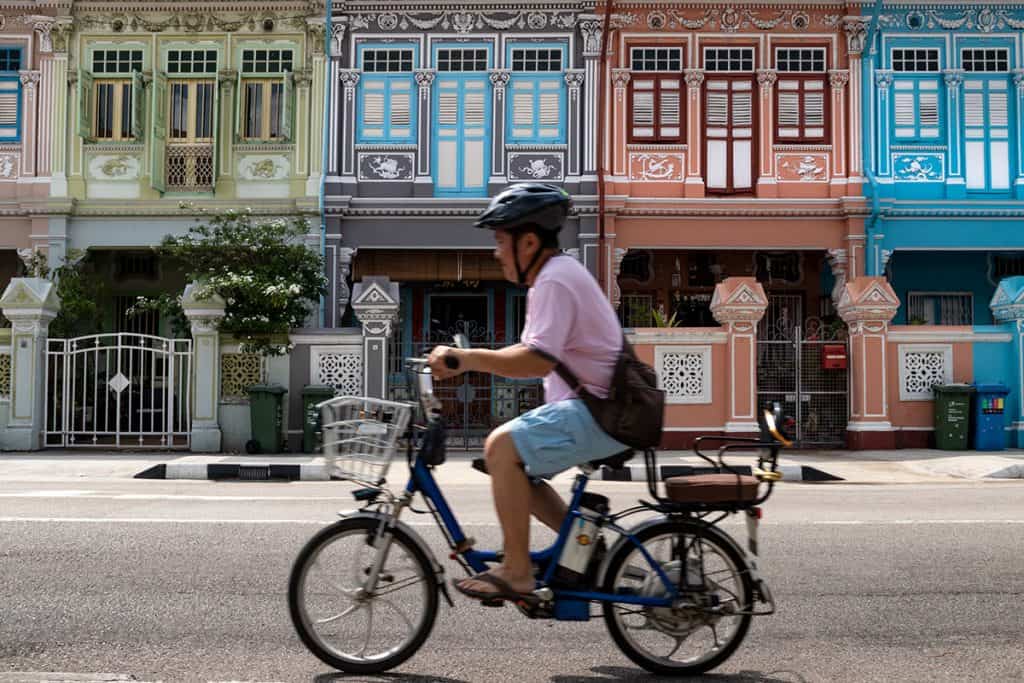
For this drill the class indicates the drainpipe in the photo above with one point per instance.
(326, 145)
(872, 221)
(601, 95)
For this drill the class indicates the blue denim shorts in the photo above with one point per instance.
(559, 435)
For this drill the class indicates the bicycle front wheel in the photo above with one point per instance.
(348, 623)
(704, 626)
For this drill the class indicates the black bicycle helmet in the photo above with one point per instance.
(528, 207)
(537, 206)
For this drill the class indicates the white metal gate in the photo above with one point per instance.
(118, 391)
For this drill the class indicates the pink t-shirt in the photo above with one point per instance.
(569, 319)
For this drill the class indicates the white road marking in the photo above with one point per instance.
(158, 520)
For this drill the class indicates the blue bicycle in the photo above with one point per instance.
(677, 592)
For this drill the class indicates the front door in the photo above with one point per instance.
(462, 118)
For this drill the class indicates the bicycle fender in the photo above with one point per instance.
(418, 540)
(709, 529)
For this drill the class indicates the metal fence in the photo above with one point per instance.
(474, 403)
(790, 370)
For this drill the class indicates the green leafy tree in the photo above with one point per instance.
(269, 279)
(80, 289)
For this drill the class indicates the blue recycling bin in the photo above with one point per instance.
(990, 417)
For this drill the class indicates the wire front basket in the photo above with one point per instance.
(360, 436)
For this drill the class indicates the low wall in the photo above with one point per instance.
(919, 356)
(692, 367)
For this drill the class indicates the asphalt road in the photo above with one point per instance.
(186, 581)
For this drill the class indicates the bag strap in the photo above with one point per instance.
(574, 383)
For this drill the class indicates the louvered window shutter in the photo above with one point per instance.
(742, 109)
(448, 108)
(904, 115)
(523, 112)
(400, 110)
(814, 109)
(718, 109)
(9, 103)
(669, 111)
(788, 115)
(643, 109)
(474, 109)
(550, 118)
(374, 104)
(928, 113)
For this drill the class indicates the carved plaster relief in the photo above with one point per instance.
(263, 167)
(918, 168)
(10, 166)
(802, 168)
(536, 166)
(114, 167)
(656, 166)
(386, 166)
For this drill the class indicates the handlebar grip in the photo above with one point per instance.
(451, 362)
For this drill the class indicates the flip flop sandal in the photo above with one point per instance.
(496, 598)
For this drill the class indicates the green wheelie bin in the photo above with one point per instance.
(266, 410)
(312, 394)
(952, 416)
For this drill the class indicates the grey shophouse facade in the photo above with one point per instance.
(436, 110)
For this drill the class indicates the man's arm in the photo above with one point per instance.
(515, 362)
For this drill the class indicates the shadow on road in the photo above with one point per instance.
(605, 674)
(385, 678)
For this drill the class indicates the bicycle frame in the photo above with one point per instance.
(422, 481)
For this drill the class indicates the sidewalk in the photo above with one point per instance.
(858, 467)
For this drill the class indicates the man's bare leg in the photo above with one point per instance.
(511, 490)
(547, 506)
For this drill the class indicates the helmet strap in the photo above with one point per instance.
(520, 272)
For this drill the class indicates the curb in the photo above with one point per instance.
(235, 471)
(639, 472)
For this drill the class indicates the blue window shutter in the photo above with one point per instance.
(10, 109)
(387, 109)
(537, 109)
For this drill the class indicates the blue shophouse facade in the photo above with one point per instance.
(943, 137)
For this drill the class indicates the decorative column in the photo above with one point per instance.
(867, 304)
(375, 301)
(574, 79)
(42, 26)
(423, 185)
(309, 84)
(838, 78)
(499, 82)
(694, 185)
(1018, 82)
(345, 255)
(856, 29)
(30, 304)
(616, 267)
(204, 312)
(883, 82)
(620, 110)
(31, 144)
(1008, 310)
(333, 127)
(226, 80)
(347, 125)
(837, 261)
(738, 305)
(590, 26)
(60, 35)
(766, 181)
(956, 183)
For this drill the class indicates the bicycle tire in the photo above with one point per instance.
(300, 620)
(725, 549)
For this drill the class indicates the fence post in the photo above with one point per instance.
(738, 305)
(31, 304)
(205, 314)
(375, 301)
(1008, 310)
(867, 304)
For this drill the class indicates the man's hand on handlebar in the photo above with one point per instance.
(445, 362)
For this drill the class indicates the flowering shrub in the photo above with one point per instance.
(269, 279)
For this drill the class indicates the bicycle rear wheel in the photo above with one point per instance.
(704, 627)
(347, 624)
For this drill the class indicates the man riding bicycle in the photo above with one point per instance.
(568, 320)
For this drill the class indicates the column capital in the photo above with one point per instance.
(954, 78)
(867, 304)
(29, 79)
(856, 29)
(425, 78)
(1018, 80)
(574, 78)
(349, 78)
(739, 300)
(766, 78)
(694, 78)
(620, 78)
(838, 78)
(60, 33)
(303, 77)
(227, 78)
(500, 78)
(883, 79)
(838, 261)
(316, 34)
(590, 26)
(42, 25)
(618, 254)
(338, 27)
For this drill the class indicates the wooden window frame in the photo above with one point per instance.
(193, 85)
(730, 189)
(803, 77)
(658, 77)
(120, 85)
(916, 93)
(388, 78)
(136, 58)
(267, 122)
